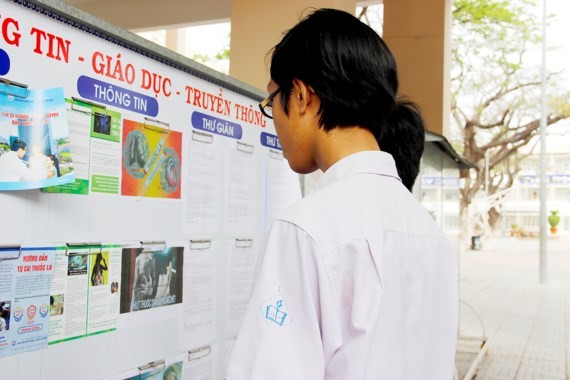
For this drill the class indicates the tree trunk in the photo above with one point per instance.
(494, 217)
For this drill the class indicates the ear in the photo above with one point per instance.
(303, 95)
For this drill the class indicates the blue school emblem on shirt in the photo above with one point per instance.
(275, 311)
(274, 314)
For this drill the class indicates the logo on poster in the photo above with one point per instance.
(44, 310)
(18, 314)
(32, 310)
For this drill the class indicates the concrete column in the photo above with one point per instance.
(176, 40)
(419, 34)
(258, 25)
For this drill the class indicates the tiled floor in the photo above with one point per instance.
(528, 324)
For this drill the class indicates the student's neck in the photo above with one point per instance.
(339, 143)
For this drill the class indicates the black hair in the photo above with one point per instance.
(55, 164)
(351, 69)
(17, 144)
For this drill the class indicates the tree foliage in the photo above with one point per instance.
(496, 90)
(222, 55)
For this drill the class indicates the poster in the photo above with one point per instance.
(25, 280)
(240, 272)
(240, 178)
(34, 139)
(199, 316)
(84, 294)
(282, 186)
(151, 279)
(151, 165)
(94, 133)
(202, 190)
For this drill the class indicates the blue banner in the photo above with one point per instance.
(102, 92)
(270, 141)
(215, 125)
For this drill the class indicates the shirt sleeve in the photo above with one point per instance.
(25, 173)
(280, 337)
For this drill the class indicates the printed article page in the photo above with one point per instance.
(203, 167)
(240, 186)
(282, 185)
(242, 259)
(85, 292)
(199, 294)
(25, 280)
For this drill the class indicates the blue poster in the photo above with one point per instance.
(34, 139)
(25, 298)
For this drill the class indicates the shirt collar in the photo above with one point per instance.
(366, 162)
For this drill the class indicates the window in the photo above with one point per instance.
(509, 221)
(429, 195)
(562, 195)
(564, 165)
(530, 221)
(451, 222)
(451, 195)
(530, 165)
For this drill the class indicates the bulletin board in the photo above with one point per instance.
(134, 260)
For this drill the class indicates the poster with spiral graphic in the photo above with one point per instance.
(151, 161)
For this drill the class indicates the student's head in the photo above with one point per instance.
(19, 147)
(53, 161)
(342, 61)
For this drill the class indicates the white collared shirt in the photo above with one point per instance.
(356, 282)
(13, 169)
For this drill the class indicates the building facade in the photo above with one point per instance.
(521, 210)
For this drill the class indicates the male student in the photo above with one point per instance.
(356, 280)
(12, 168)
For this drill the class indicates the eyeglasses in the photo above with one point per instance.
(266, 106)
